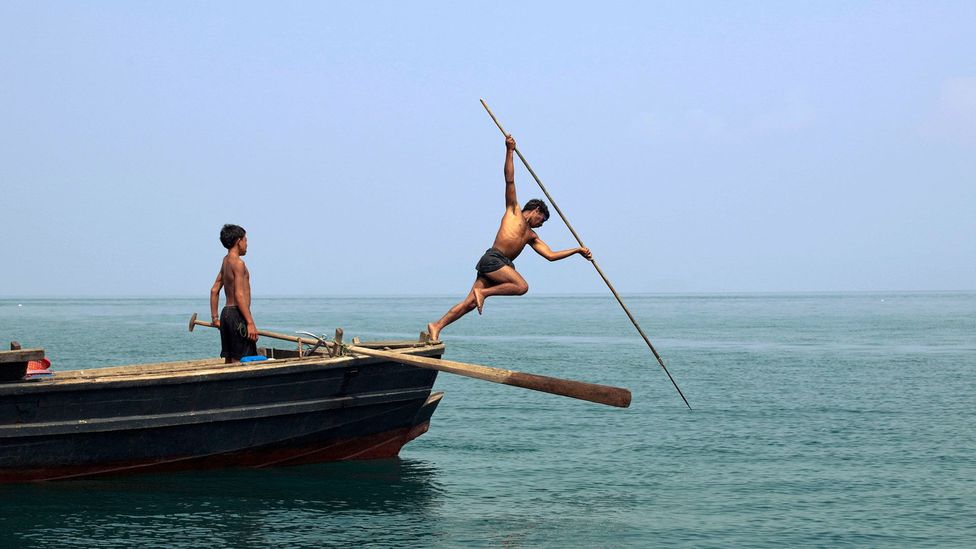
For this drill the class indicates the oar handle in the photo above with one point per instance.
(595, 265)
(600, 394)
(194, 322)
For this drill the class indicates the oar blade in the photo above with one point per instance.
(591, 392)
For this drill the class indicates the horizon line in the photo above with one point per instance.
(431, 295)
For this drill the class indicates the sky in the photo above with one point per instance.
(694, 146)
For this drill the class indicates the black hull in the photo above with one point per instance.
(207, 415)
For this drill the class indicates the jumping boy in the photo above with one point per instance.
(496, 270)
(238, 333)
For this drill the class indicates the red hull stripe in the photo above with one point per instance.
(377, 446)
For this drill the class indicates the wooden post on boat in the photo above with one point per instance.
(592, 392)
(13, 363)
(597, 267)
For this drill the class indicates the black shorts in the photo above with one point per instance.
(234, 343)
(492, 261)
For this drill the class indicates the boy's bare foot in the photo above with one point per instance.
(433, 331)
(479, 299)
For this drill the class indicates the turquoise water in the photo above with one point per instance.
(820, 420)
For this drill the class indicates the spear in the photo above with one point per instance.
(597, 267)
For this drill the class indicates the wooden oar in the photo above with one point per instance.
(603, 276)
(600, 394)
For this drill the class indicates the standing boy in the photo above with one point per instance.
(238, 334)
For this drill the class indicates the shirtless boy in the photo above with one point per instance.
(238, 333)
(496, 271)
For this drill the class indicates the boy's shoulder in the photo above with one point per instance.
(231, 261)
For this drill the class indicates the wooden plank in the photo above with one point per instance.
(191, 365)
(22, 355)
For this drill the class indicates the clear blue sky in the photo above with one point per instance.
(695, 146)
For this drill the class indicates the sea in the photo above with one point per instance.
(817, 420)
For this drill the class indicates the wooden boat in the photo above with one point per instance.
(325, 402)
(205, 414)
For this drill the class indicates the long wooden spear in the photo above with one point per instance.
(603, 276)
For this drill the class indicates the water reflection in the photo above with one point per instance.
(338, 503)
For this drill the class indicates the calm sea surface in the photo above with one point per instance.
(820, 420)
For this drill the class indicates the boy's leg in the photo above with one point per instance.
(462, 308)
(504, 281)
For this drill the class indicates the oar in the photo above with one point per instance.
(600, 394)
(603, 276)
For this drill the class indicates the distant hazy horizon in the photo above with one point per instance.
(623, 295)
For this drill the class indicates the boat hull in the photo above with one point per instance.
(206, 415)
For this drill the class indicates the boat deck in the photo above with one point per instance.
(186, 370)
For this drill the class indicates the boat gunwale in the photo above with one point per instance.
(194, 371)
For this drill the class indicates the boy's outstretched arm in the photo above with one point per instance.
(543, 249)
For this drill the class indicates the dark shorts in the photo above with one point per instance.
(492, 261)
(234, 343)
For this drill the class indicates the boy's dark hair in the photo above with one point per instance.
(536, 204)
(230, 234)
